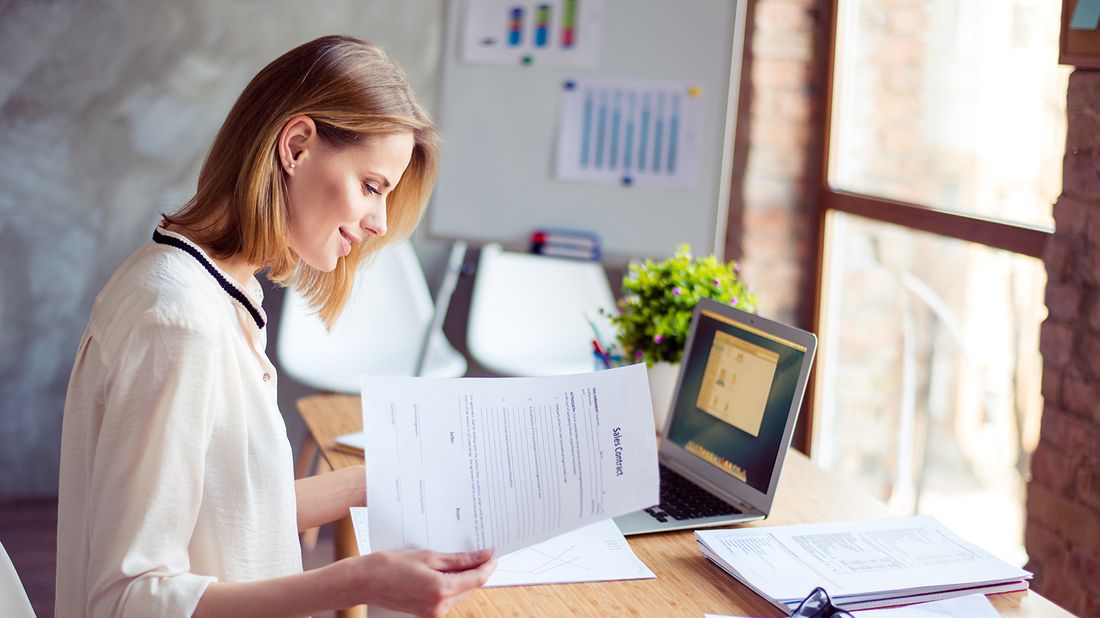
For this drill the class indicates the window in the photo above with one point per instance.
(943, 159)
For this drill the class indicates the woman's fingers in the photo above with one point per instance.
(458, 561)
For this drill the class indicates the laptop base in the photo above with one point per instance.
(640, 522)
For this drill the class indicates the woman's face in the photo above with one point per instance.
(338, 195)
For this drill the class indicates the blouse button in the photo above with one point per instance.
(267, 377)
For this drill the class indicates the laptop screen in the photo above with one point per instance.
(736, 391)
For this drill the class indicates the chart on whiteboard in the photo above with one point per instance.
(557, 33)
(629, 132)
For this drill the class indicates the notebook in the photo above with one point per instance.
(737, 397)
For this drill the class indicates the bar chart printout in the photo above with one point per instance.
(556, 33)
(629, 132)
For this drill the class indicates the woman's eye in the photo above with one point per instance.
(371, 188)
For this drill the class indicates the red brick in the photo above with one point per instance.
(1057, 258)
(1052, 468)
(1091, 308)
(1069, 431)
(1081, 172)
(1080, 393)
(1052, 386)
(1071, 215)
(1046, 548)
(1065, 517)
(1088, 353)
(1055, 343)
(780, 74)
(1087, 486)
(1064, 301)
(783, 17)
(788, 136)
(782, 45)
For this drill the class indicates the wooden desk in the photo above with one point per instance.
(687, 584)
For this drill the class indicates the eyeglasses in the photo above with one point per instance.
(817, 604)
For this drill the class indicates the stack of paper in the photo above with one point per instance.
(861, 564)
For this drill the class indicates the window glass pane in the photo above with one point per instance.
(953, 104)
(928, 389)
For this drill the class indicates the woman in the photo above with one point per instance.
(177, 494)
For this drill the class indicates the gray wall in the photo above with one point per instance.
(106, 112)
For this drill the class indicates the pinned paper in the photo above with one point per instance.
(629, 132)
(555, 33)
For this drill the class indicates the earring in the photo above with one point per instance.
(291, 165)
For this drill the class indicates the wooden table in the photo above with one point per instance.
(687, 584)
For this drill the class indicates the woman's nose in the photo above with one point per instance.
(375, 220)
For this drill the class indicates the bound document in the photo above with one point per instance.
(866, 564)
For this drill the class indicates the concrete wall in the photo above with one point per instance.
(107, 109)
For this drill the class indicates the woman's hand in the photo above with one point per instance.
(417, 581)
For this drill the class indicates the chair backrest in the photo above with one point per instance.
(381, 331)
(13, 597)
(527, 313)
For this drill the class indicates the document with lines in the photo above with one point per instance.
(456, 464)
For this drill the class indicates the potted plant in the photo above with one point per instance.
(654, 313)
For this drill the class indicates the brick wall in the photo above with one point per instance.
(1063, 524)
(782, 154)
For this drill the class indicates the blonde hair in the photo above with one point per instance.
(351, 90)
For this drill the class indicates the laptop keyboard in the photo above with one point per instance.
(681, 499)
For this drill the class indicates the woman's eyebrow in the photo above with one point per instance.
(385, 181)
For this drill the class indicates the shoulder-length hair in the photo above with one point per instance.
(351, 90)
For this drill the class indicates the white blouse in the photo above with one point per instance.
(176, 470)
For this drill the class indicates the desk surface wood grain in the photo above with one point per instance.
(687, 584)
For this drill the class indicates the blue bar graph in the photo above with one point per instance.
(601, 124)
(643, 141)
(587, 131)
(629, 134)
(616, 118)
(659, 133)
(673, 133)
(628, 147)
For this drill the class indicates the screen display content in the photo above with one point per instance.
(738, 386)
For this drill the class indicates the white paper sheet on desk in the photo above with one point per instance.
(595, 553)
(970, 606)
(457, 464)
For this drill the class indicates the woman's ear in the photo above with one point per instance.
(299, 134)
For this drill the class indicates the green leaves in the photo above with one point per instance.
(658, 298)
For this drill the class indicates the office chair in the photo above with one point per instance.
(527, 313)
(389, 327)
(14, 602)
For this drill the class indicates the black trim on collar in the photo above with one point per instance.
(210, 268)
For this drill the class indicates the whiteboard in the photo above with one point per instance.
(499, 126)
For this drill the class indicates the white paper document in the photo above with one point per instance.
(969, 606)
(629, 132)
(900, 558)
(459, 464)
(595, 553)
(554, 33)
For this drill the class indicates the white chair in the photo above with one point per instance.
(14, 602)
(528, 313)
(389, 327)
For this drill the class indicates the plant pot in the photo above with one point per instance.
(662, 384)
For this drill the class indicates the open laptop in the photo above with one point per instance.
(737, 397)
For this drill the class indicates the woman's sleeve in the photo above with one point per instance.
(148, 471)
